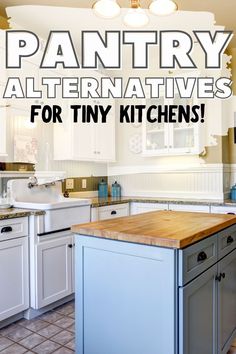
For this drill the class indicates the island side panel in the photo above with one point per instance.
(125, 298)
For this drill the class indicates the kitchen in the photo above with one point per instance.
(159, 194)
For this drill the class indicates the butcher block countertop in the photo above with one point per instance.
(170, 229)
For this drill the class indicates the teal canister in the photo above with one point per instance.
(116, 190)
(233, 193)
(102, 189)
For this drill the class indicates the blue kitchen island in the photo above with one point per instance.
(157, 283)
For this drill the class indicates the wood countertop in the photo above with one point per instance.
(170, 229)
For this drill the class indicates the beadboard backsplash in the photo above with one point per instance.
(211, 181)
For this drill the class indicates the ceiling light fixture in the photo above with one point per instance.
(136, 17)
(163, 7)
(106, 8)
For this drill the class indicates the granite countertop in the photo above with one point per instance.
(99, 202)
(172, 229)
(12, 213)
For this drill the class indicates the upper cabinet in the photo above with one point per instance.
(80, 141)
(85, 141)
(171, 138)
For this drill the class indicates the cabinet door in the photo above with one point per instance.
(54, 270)
(197, 308)
(227, 302)
(155, 135)
(105, 134)
(14, 277)
(84, 141)
(184, 137)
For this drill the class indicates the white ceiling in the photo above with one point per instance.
(223, 10)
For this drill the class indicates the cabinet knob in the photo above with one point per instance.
(113, 212)
(202, 256)
(6, 229)
(230, 240)
(220, 276)
(70, 246)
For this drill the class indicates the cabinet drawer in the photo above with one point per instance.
(113, 211)
(226, 241)
(190, 208)
(223, 210)
(139, 208)
(196, 259)
(13, 228)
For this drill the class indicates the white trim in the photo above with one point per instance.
(186, 168)
(178, 195)
(15, 174)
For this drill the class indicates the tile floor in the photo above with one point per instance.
(52, 332)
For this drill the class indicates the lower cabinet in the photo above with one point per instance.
(227, 302)
(139, 208)
(14, 277)
(54, 276)
(110, 212)
(198, 305)
(207, 310)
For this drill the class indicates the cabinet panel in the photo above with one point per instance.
(227, 302)
(113, 211)
(226, 241)
(14, 277)
(195, 259)
(54, 270)
(139, 208)
(132, 312)
(197, 306)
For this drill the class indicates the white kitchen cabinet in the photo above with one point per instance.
(85, 141)
(54, 276)
(14, 277)
(110, 212)
(139, 208)
(171, 138)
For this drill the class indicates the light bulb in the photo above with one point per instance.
(163, 7)
(136, 17)
(106, 8)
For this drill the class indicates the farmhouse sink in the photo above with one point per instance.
(60, 213)
(59, 204)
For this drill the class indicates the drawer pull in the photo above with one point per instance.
(113, 212)
(231, 213)
(230, 240)
(6, 229)
(201, 257)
